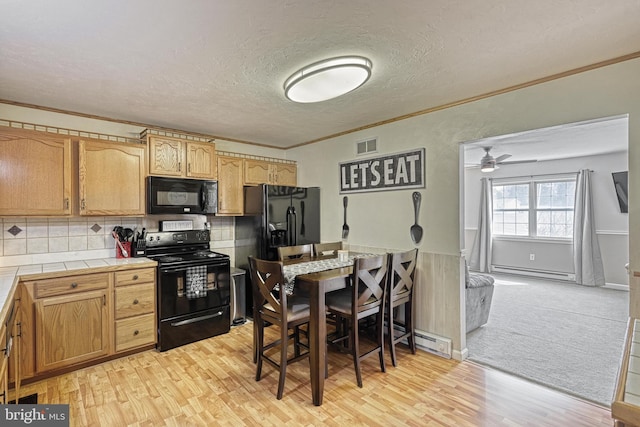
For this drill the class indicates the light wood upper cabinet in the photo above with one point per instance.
(256, 172)
(265, 172)
(286, 174)
(111, 178)
(181, 158)
(201, 160)
(36, 173)
(230, 188)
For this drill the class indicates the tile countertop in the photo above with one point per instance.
(9, 276)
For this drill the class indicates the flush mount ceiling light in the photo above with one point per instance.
(327, 79)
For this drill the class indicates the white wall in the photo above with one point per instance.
(382, 219)
(555, 256)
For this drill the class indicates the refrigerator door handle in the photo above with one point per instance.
(291, 226)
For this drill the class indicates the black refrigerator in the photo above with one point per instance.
(275, 216)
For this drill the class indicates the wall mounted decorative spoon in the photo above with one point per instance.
(416, 230)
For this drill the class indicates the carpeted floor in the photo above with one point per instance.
(566, 336)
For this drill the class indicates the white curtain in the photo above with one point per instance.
(587, 260)
(481, 251)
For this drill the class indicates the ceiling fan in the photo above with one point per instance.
(488, 163)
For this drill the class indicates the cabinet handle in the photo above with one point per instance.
(66, 203)
(82, 204)
(104, 300)
(136, 332)
(74, 285)
(179, 166)
(135, 301)
(189, 167)
(135, 277)
(19, 324)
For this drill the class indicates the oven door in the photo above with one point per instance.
(191, 309)
(188, 289)
(181, 196)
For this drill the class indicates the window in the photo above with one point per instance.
(537, 208)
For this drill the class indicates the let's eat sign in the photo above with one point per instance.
(391, 172)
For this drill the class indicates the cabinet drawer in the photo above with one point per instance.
(135, 332)
(68, 285)
(135, 300)
(131, 277)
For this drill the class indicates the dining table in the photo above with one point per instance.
(334, 275)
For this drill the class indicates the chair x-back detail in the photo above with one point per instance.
(401, 275)
(278, 308)
(366, 297)
(299, 251)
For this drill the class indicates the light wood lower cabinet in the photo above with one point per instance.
(4, 367)
(86, 318)
(71, 329)
(135, 302)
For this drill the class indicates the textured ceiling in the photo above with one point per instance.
(589, 138)
(217, 67)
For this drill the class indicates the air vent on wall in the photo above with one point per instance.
(368, 146)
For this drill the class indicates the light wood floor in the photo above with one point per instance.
(211, 383)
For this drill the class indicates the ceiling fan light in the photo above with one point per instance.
(327, 79)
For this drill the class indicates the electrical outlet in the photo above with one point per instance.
(532, 257)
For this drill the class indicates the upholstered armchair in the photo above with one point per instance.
(478, 294)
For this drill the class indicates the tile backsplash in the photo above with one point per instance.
(36, 236)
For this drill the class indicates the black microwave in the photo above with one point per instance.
(181, 196)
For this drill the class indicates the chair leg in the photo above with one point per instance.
(355, 348)
(411, 339)
(255, 340)
(259, 343)
(284, 341)
(296, 341)
(380, 338)
(392, 340)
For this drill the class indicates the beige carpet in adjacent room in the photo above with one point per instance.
(566, 336)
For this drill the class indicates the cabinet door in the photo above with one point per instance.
(256, 172)
(4, 368)
(230, 191)
(201, 160)
(286, 174)
(111, 178)
(71, 329)
(16, 348)
(35, 177)
(166, 156)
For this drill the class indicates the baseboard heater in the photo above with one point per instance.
(555, 275)
(435, 344)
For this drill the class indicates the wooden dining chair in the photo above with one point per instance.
(366, 297)
(327, 248)
(299, 251)
(288, 312)
(401, 278)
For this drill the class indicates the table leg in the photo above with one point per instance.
(317, 342)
